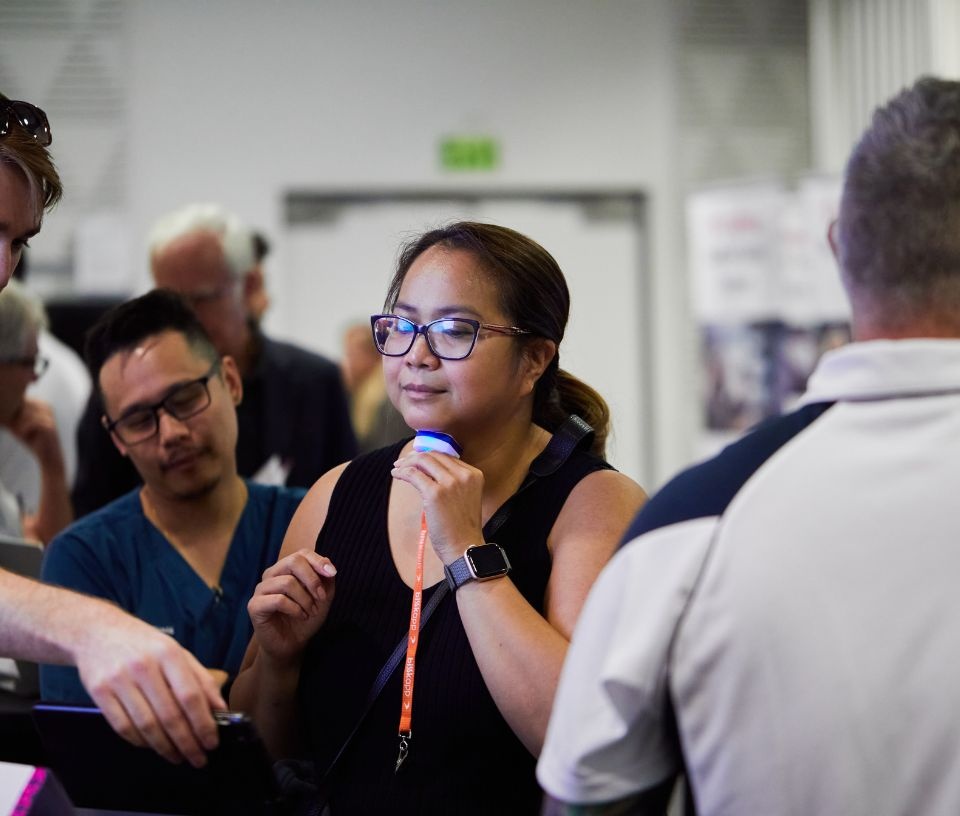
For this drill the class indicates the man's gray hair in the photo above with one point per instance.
(21, 316)
(899, 225)
(236, 240)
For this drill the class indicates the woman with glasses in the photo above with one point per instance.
(474, 318)
(29, 421)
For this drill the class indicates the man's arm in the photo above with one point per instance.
(611, 741)
(81, 561)
(151, 691)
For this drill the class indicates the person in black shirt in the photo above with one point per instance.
(470, 349)
(294, 422)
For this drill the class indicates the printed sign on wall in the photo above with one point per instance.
(767, 297)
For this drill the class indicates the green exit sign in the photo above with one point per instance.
(469, 153)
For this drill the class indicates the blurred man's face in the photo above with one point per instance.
(193, 265)
(14, 379)
(19, 219)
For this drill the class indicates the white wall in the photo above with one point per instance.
(862, 52)
(245, 97)
(238, 100)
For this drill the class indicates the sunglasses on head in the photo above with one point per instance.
(28, 117)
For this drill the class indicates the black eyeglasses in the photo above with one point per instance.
(143, 422)
(37, 363)
(29, 117)
(449, 338)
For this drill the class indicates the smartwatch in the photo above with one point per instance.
(480, 563)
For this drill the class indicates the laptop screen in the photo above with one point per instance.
(99, 769)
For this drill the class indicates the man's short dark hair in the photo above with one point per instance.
(899, 226)
(124, 326)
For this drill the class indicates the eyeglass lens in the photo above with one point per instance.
(186, 401)
(450, 338)
(29, 117)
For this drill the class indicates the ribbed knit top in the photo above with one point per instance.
(464, 758)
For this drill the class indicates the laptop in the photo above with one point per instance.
(100, 770)
(23, 557)
(20, 556)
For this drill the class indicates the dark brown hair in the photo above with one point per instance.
(533, 294)
(124, 326)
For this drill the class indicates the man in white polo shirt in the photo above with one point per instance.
(782, 623)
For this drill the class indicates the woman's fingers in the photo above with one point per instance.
(298, 599)
(299, 585)
(310, 567)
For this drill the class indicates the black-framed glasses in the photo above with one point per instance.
(29, 117)
(449, 338)
(203, 297)
(36, 362)
(143, 421)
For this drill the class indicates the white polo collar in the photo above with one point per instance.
(884, 369)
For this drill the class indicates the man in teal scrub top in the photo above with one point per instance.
(184, 551)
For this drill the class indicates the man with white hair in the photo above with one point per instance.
(294, 420)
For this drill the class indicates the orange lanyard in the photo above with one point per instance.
(413, 640)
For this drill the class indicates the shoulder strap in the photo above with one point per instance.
(387, 670)
(571, 434)
(565, 440)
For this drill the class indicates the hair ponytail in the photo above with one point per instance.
(559, 394)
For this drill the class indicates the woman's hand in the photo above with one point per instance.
(291, 603)
(451, 491)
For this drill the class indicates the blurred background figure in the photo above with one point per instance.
(65, 387)
(294, 421)
(376, 422)
(29, 421)
(259, 300)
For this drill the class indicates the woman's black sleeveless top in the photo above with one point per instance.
(463, 759)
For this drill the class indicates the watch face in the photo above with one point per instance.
(488, 561)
